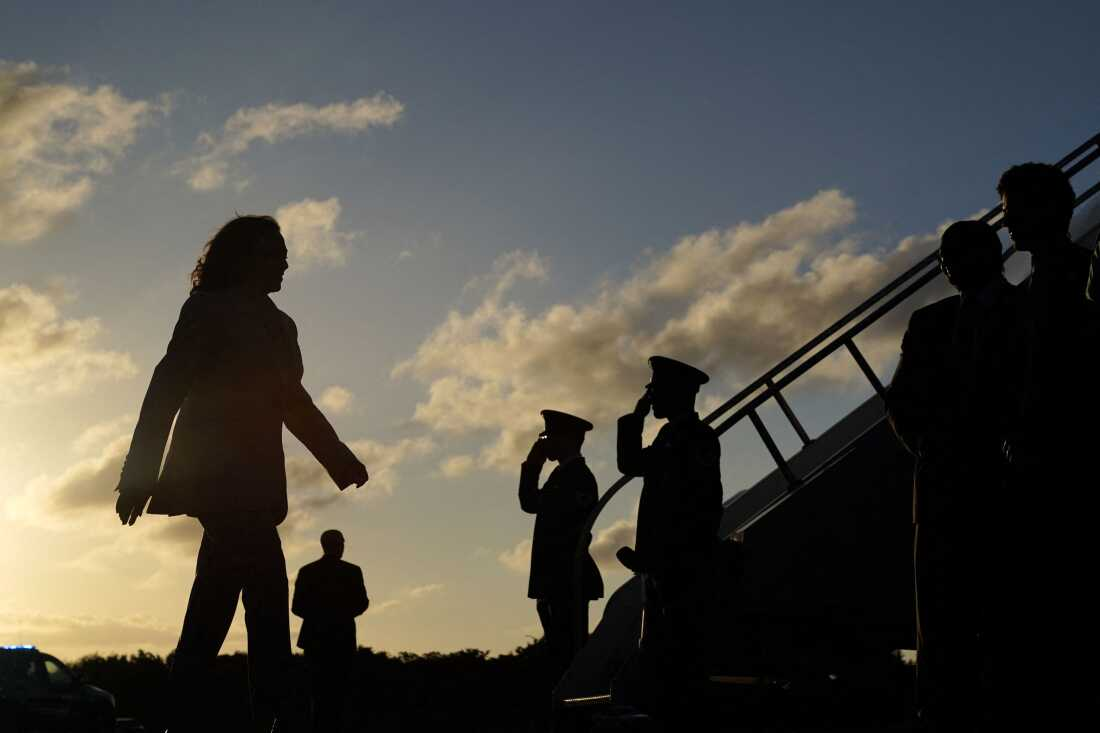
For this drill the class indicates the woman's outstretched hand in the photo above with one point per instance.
(130, 505)
(353, 473)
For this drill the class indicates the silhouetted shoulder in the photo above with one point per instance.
(935, 313)
(350, 567)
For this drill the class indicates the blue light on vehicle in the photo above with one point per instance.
(18, 647)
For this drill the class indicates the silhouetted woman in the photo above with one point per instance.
(233, 372)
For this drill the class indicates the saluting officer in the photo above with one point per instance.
(678, 516)
(560, 508)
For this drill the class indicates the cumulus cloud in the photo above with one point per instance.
(732, 301)
(311, 488)
(336, 398)
(518, 558)
(309, 228)
(604, 545)
(608, 541)
(81, 497)
(43, 353)
(96, 436)
(56, 139)
(273, 123)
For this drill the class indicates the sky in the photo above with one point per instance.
(491, 209)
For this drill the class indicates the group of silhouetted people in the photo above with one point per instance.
(676, 538)
(995, 397)
(233, 373)
(229, 381)
(992, 395)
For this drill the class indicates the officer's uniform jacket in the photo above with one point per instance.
(328, 594)
(560, 509)
(681, 501)
(233, 372)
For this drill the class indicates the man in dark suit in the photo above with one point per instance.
(950, 403)
(1052, 455)
(233, 373)
(560, 507)
(677, 536)
(328, 594)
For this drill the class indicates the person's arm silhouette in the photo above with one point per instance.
(529, 477)
(630, 454)
(360, 601)
(167, 388)
(310, 426)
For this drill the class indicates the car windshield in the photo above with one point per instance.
(58, 675)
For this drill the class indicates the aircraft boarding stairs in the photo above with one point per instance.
(822, 600)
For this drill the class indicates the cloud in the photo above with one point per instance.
(81, 497)
(274, 123)
(309, 227)
(422, 591)
(518, 558)
(43, 353)
(311, 488)
(732, 301)
(405, 596)
(457, 466)
(72, 636)
(336, 398)
(608, 541)
(56, 139)
(96, 436)
(603, 548)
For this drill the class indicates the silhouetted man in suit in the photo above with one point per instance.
(328, 595)
(560, 508)
(678, 515)
(1052, 457)
(233, 373)
(950, 403)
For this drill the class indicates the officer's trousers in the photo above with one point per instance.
(673, 652)
(238, 558)
(557, 616)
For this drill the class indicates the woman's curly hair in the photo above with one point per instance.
(225, 257)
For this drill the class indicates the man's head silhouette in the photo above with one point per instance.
(970, 255)
(332, 542)
(674, 386)
(564, 434)
(1038, 205)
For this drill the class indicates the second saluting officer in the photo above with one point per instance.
(560, 509)
(678, 516)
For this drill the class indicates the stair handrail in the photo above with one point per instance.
(1071, 164)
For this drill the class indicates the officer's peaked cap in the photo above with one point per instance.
(563, 422)
(671, 371)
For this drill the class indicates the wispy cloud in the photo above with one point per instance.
(405, 596)
(732, 301)
(72, 636)
(56, 139)
(457, 466)
(210, 169)
(44, 353)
